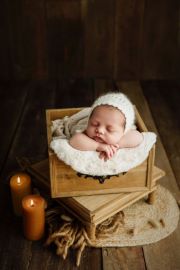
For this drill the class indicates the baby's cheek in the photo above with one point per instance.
(89, 132)
(110, 139)
(114, 138)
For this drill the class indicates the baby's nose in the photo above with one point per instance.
(100, 130)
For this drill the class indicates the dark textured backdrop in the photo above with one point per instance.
(120, 39)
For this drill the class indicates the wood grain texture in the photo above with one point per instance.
(27, 40)
(15, 41)
(132, 39)
(164, 100)
(167, 248)
(98, 37)
(74, 93)
(40, 96)
(128, 38)
(14, 98)
(65, 43)
(30, 140)
(160, 54)
(123, 258)
(5, 53)
(94, 208)
(35, 36)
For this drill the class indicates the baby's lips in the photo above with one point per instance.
(98, 139)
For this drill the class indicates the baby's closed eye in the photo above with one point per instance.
(94, 124)
(111, 130)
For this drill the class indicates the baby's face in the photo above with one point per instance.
(106, 125)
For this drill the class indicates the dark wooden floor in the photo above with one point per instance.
(23, 133)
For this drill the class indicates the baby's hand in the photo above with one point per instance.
(107, 151)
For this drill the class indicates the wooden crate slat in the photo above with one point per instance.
(95, 208)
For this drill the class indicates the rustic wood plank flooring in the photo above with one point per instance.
(23, 133)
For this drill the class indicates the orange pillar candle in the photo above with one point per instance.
(20, 185)
(33, 216)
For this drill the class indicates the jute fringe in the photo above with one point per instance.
(73, 234)
(138, 224)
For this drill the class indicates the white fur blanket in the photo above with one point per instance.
(88, 162)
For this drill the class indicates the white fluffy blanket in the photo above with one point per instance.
(88, 162)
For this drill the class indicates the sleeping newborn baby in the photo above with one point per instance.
(110, 127)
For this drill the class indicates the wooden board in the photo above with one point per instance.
(24, 134)
(166, 93)
(66, 182)
(163, 254)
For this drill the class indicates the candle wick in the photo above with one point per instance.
(18, 180)
(31, 203)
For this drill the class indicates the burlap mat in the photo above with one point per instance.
(138, 224)
(145, 223)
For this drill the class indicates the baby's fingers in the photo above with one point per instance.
(110, 152)
(114, 149)
(103, 155)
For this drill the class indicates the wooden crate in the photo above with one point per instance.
(91, 210)
(66, 182)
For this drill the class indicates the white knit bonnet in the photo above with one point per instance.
(121, 102)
